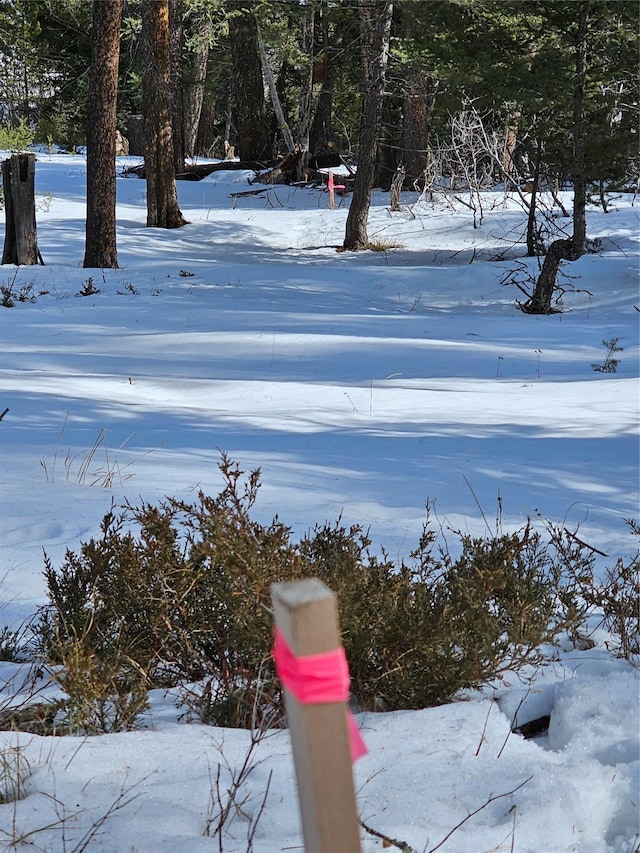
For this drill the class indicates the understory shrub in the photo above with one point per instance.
(15, 137)
(613, 599)
(179, 594)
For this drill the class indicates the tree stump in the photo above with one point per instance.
(20, 241)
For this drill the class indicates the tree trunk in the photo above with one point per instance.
(356, 236)
(321, 137)
(20, 240)
(533, 242)
(569, 250)
(510, 141)
(419, 100)
(248, 88)
(387, 160)
(100, 243)
(541, 301)
(579, 164)
(207, 134)
(135, 135)
(162, 197)
(194, 95)
(176, 44)
(276, 103)
(305, 100)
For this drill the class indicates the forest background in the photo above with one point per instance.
(266, 76)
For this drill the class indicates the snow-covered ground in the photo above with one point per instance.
(362, 384)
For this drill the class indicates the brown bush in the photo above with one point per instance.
(180, 593)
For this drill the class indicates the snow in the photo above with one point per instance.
(363, 384)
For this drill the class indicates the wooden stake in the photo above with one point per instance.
(306, 614)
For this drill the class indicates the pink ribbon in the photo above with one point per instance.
(331, 186)
(316, 679)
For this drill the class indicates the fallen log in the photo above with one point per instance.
(282, 171)
(198, 171)
(249, 192)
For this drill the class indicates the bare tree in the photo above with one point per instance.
(375, 27)
(162, 196)
(100, 243)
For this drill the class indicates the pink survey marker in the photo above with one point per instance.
(318, 679)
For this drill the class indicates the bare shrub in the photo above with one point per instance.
(611, 597)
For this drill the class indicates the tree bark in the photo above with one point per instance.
(378, 15)
(579, 164)
(194, 96)
(276, 103)
(162, 196)
(510, 141)
(305, 99)
(100, 240)
(533, 247)
(248, 88)
(571, 249)
(321, 138)
(541, 301)
(387, 149)
(20, 238)
(419, 100)
(176, 45)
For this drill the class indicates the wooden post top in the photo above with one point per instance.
(306, 613)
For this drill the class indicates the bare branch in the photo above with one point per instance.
(491, 799)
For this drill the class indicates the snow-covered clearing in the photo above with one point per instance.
(362, 385)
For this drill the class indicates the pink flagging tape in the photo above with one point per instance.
(332, 186)
(316, 679)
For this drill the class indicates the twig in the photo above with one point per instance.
(478, 504)
(253, 824)
(584, 544)
(514, 721)
(484, 729)
(388, 842)
(491, 799)
(124, 798)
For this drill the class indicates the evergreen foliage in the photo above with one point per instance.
(510, 59)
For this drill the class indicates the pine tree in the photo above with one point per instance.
(375, 21)
(163, 210)
(100, 244)
(252, 129)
